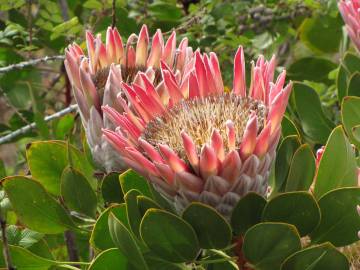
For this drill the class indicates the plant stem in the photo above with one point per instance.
(241, 261)
(32, 62)
(69, 267)
(217, 260)
(27, 128)
(71, 246)
(6, 250)
(71, 263)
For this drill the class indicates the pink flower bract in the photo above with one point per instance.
(200, 143)
(96, 78)
(350, 11)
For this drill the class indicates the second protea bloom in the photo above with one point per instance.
(95, 78)
(203, 144)
(350, 11)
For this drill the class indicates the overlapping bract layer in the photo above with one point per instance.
(218, 168)
(350, 11)
(95, 78)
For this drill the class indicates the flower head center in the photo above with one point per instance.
(199, 117)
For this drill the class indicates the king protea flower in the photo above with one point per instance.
(93, 78)
(203, 144)
(350, 11)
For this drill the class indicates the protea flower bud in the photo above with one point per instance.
(96, 78)
(350, 11)
(203, 144)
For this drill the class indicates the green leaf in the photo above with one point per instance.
(64, 126)
(125, 22)
(267, 245)
(156, 263)
(41, 125)
(356, 132)
(23, 259)
(131, 180)
(100, 236)
(110, 259)
(211, 228)
(159, 199)
(111, 189)
(47, 161)
(288, 128)
(16, 85)
(22, 237)
(71, 26)
(145, 203)
(170, 237)
(247, 212)
(133, 212)
(322, 34)
(302, 170)
(10, 4)
(224, 261)
(163, 11)
(340, 220)
(93, 4)
(341, 83)
(350, 112)
(334, 172)
(77, 192)
(313, 120)
(36, 208)
(324, 256)
(41, 248)
(354, 85)
(31, 240)
(312, 69)
(297, 208)
(125, 241)
(283, 161)
(352, 62)
(2, 169)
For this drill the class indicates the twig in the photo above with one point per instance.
(67, 86)
(6, 250)
(113, 15)
(11, 106)
(32, 62)
(188, 23)
(30, 25)
(71, 246)
(186, 5)
(29, 127)
(64, 9)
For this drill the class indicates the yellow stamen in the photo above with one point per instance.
(199, 117)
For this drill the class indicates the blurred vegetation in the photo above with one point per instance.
(307, 36)
(298, 32)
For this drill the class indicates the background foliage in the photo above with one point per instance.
(50, 225)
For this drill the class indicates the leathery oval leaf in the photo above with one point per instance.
(247, 212)
(267, 245)
(169, 236)
(324, 256)
(212, 230)
(297, 208)
(125, 241)
(334, 172)
(36, 209)
(340, 221)
(77, 192)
